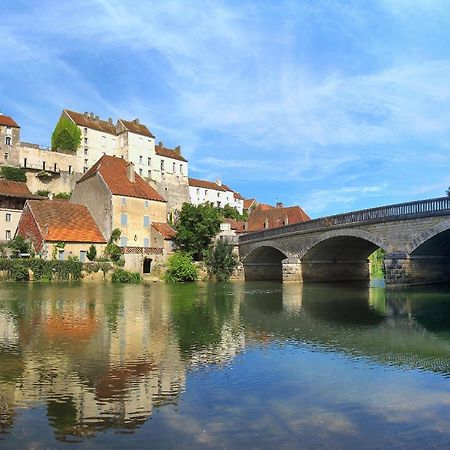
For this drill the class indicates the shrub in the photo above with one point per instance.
(123, 276)
(91, 254)
(20, 245)
(63, 195)
(220, 261)
(42, 193)
(112, 250)
(13, 174)
(181, 268)
(66, 136)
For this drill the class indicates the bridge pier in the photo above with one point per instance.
(291, 269)
(403, 269)
(326, 271)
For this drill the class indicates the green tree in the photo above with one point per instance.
(13, 174)
(180, 268)
(112, 250)
(91, 254)
(232, 213)
(66, 136)
(20, 245)
(220, 261)
(196, 227)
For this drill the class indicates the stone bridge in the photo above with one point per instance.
(415, 237)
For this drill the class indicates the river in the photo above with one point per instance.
(237, 366)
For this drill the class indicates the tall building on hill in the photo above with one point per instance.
(9, 135)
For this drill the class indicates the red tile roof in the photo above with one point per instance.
(274, 217)
(248, 202)
(206, 184)
(235, 224)
(8, 121)
(136, 127)
(168, 153)
(15, 189)
(113, 170)
(165, 230)
(238, 196)
(86, 121)
(61, 221)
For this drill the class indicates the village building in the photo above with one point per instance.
(203, 191)
(58, 229)
(13, 195)
(265, 217)
(118, 197)
(9, 135)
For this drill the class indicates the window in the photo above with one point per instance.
(86, 162)
(149, 161)
(61, 255)
(123, 219)
(146, 204)
(85, 169)
(173, 167)
(54, 167)
(8, 234)
(218, 204)
(85, 130)
(8, 217)
(103, 141)
(85, 150)
(24, 162)
(146, 242)
(198, 191)
(162, 165)
(70, 169)
(6, 156)
(218, 194)
(146, 221)
(181, 168)
(140, 172)
(124, 201)
(149, 173)
(206, 192)
(85, 140)
(8, 140)
(123, 241)
(140, 159)
(43, 165)
(82, 255)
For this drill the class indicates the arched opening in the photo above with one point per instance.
(147, 265)
(264, 263)
(338, 258)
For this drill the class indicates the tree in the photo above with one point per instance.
(66, 136)
(232, 213)
(112, 250)
(20, 245)
(91, 254)
(196, 227)
(181, 268)
(221, 261)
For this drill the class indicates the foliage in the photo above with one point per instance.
(220, 261)
(91, 254)
(123, 276)
(43, 270)
(196, 227)
(66, 135)
(58, 245)
(43, 174)
(112, 250)
(115, 236)
(13, 174)
(63, 195)
(180, 268)
(232, 213)
(376, 259)
(19, 245)
(42, 193)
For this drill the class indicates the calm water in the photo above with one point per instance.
(254, 365)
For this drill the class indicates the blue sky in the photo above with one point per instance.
(333, 105)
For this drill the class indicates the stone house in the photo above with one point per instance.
(13, 195)
(203, 191)
(9, 135)
(59, 229)
(118, 197)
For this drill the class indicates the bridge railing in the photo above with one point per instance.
(434, 206)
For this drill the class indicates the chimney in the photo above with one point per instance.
(279, 205)
(50, 195)
(177, 150)
(219, 182)
(136, 121)
(160, 144)
(130, 172)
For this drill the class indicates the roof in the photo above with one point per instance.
(85, 120)
(8, 121)
(113, 170)
(238, 196)
(274, 217)
(165, 230)
(235, 224)
(136, 127)
(168, 153)
(61, 221)
(15, 189)
(206, 184)
(248, 202)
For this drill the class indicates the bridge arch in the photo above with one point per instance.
(340, 255)
(264, 263)
(434, 241)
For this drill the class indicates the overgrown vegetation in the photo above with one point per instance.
(20, 245)
(181, 268)
(228, 212)
(112, 250)
(91, 254)
(123, 276)
(220, 261)
(66, 136)
(63, 195)
(13, 174)
(42, 193)
(197, 225)
(376, 259)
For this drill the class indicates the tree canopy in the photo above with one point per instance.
(197, 225)
(66, 136)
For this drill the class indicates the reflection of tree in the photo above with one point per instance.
(63, 415)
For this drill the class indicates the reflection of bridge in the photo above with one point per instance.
(415, 236)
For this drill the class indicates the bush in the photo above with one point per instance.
(220, 261)
(42, 193)
(91, 254)
(13, 174)
(63, 195)
(20, 245)
(181, 268)
(66, 136)
(123, 276)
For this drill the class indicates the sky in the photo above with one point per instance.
(331, 105)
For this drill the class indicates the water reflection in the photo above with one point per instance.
(99, 357)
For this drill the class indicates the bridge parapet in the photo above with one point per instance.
(417, 209)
